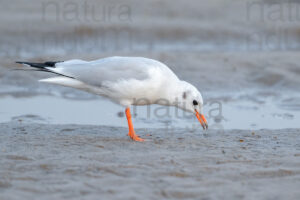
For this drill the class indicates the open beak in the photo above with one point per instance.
(202, 120)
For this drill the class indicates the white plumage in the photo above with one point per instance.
(127, 81)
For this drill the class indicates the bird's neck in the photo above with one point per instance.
(173, 94)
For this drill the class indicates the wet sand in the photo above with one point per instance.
(238, 53)
(92, 162)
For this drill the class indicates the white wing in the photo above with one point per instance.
(112, 69)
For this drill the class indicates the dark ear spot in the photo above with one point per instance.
(195, 103)
(184, 95)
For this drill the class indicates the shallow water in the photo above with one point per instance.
(220, 115)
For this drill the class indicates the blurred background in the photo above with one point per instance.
(242, 55)
(61, 143)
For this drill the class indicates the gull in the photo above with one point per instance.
(126, 81)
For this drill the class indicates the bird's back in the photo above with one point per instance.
(120, 77)
(112, 69)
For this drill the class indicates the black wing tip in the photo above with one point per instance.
(51, 63)
(25, 63)
(45, 64)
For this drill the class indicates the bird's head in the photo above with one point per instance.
(190, 100)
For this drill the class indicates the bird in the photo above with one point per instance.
(128, 81)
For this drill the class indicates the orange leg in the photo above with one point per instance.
(131, 133)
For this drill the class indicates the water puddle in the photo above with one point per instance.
(232, 115)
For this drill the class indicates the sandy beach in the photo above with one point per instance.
(92, 162)
(61, 143)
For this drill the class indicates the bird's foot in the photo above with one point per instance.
(135, 137)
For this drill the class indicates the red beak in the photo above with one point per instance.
(202, 120)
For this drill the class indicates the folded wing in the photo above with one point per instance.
(112, 69)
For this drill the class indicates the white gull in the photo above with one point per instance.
(127, 81)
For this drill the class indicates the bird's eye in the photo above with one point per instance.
(195, 103)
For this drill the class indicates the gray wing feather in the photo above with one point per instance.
(111, 69)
